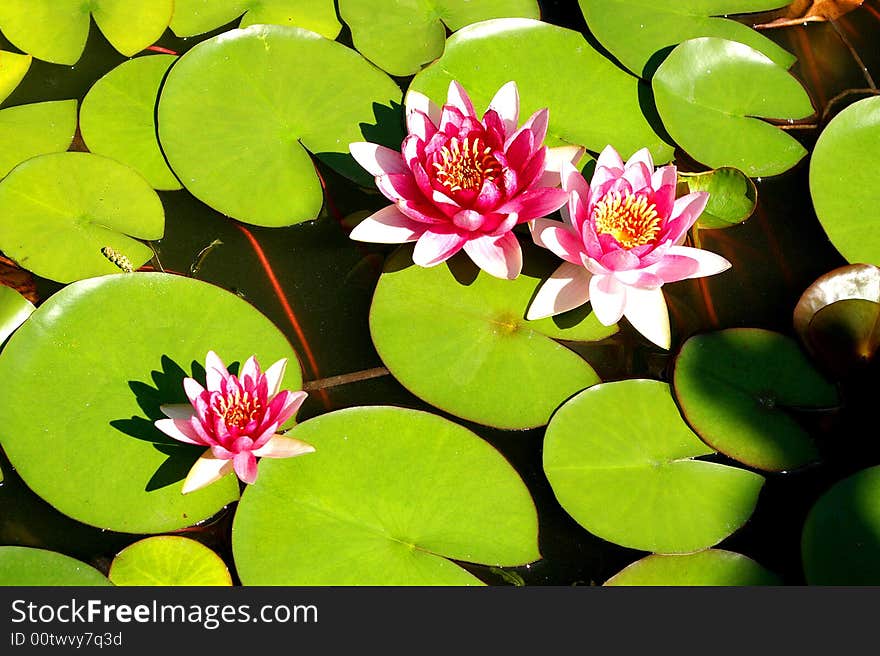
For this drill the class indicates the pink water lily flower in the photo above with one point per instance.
(462, 182)
(237, 418)
(621, 240)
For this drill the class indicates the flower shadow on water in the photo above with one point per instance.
(166, 388)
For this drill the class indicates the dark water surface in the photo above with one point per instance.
(328, 281)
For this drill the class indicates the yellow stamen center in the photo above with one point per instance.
(466, 164)
(238, 409)
(631, 220)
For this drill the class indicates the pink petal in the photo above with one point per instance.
(283, 447)
(435, 247)
(665, 175)
(249, 372)
(422, 213)
(387, 226)
(377, 160)
(245, 466)
(419, 124)
(215, 371)
(554, 161)
(458, 97)
(180, 429)
(672, 268)
(567, 288)
(292, 403)
(609, 159)
(640, 279)
(205, 471)
(536, 203)
(497, 256)
(416, 101)
(506, 104)
(192, 388)
(520, 148)
(274, 376)
(638, 175)
(619, 260)
(608, 297)
(555, 236)
(537, 124)
(178, 410)
(399, 186)
(469, 220)
(708, 263)
(641, 157)
(685, 212)
(646, 311)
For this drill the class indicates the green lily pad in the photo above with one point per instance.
(168, 560)
(732, 196)
(840, 544)
(37, 129)
(621, 461)
(400, 37)
(14, 310)
(850, 282)
(240, 113)
(555, 68)
(58, 211)
(26, 566)
(13, 68)
(389, 495)
(458, 340)
(56, 30)
(102, 354)
(710, 93)
(738, 388)
(712, 567)
(641, 32)
(117, 118)
(843, 181)
(192, 17)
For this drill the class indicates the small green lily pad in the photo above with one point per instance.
(117, 118)
(387, 498)
(712, 567)
(457, 339)
(108, 352)
(850, 282)
(555, 68)
(738, 388)
(840, 544)
(843, 181)
(621, 462)
(711, 95)
(37, 129)
(14, 310)
(400, 37)
(13, 68)
(240, 114)
(56, 30)
(168, 560)
(640, 32)
(26, 566)
(59, 212)
(192, 17)
(732, 196)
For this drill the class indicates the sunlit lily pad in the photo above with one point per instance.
(712, 93)
(117, 118)
(26, 566)
(713, 567)
(840, 544)
(240, 114)
(13, 68)
(168, 560)
(58, 211)
(738, 389)
(732, 196)
(622, 462)
(387, 498)
(99, 357)
(843, 181)
(57, 30)
(851, 282)
(402, 36)
(555, 68)
(845, 336)
(37, 129)
(641, 32)
(458, 340)
(14, 310)
(193, 17)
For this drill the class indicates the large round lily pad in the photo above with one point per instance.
(402, 36)
(738, 389)
(57, 30)
(13, 68)
(36, 129)
(240, 113)
(14, 310)
(100, 357)
(622, 462)
(117, 118)
(193, 17)
(60, 212)
(26, 566)
(168, 560)
(555, 68)
(388, 496)
(843, 181)
(641, 32)
(841, 539)
(458, 340)
(713, 567)
(712, 93)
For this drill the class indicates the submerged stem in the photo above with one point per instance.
(345, 379)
